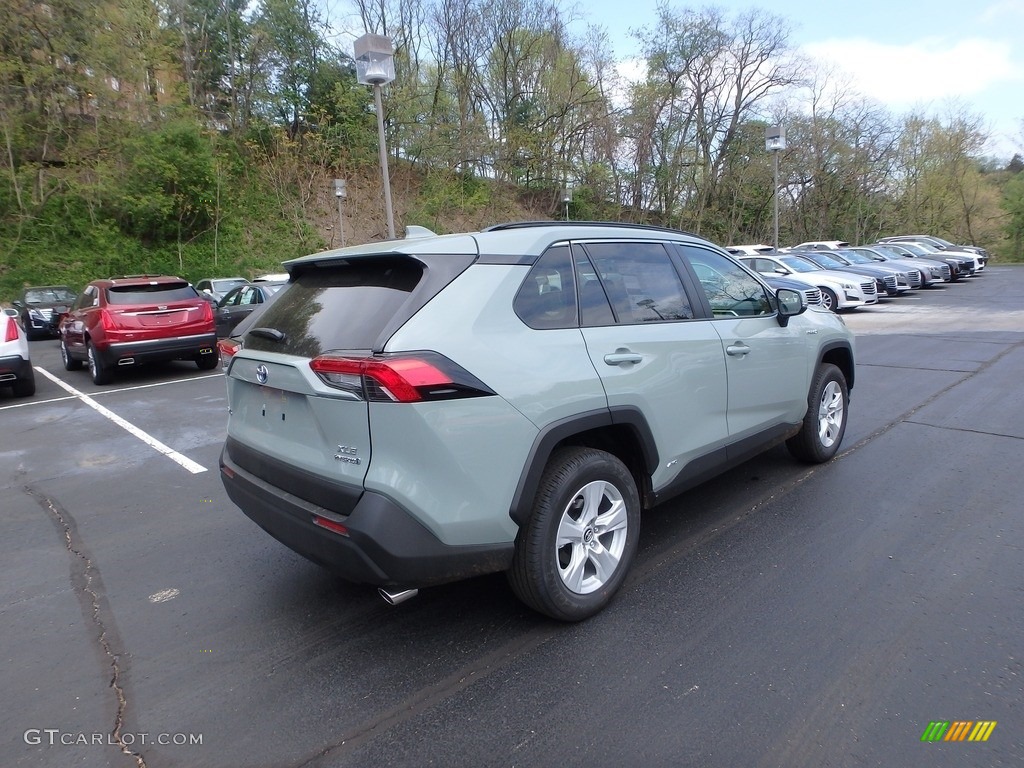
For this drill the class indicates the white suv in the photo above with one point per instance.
(417, 411)
(15, 365)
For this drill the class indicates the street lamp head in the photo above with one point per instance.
(567, 195)
(375, 59)
(340, 188)
(774, 138)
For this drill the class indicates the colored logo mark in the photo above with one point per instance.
(958, 730)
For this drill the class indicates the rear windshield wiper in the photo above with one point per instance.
(268, 333)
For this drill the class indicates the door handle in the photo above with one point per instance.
(622, 357)
(739, 349)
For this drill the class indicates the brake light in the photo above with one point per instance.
(107, 321)
(407, 378)
(228, 347)
(11, 334)
(206, 312)
(330, 525)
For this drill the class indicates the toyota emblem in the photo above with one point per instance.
(262, 373)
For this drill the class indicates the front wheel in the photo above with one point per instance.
(573, 553)
(825, 421)
(829, 300)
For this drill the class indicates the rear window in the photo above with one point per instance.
(148, 294)
(343, 307)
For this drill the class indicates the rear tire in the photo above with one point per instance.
(825, 421)
(100, 373)
(25, 387)
(574, 552)
(207, 362)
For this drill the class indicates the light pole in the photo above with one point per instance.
(341, 192)
(775, 142)
(566, 199)
(375, 65)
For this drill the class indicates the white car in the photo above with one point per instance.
(839, 290)
(15, 365)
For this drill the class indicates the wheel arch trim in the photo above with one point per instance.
(553, 434)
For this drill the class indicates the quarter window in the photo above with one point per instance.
(547, 298)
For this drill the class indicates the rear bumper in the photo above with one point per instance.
(155, 350)
(14, 368)
(383, 544)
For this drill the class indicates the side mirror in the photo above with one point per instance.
(791, 304)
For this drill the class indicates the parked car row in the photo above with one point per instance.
(850, 276)
(126, 321)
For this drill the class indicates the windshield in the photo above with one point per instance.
(857, 258)
(148, 294)
(799, 265)
(225, 285)
(55, 295)
(828, 262)
(892, 253)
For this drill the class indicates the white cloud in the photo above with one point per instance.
(921, 71)
(1003, 11)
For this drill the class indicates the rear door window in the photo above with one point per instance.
(639, 280)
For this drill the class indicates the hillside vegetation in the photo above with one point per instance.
(201, 138)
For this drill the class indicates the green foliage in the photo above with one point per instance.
(445, 194)
(1013, 204)
(161, 186)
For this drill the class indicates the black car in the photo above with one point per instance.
(239, 303)
(40, 308)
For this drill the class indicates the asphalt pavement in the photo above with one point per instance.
(779, 615)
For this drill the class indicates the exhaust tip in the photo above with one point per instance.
(396, 596)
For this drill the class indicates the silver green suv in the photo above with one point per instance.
(417, 411)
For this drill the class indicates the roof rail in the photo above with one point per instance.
(610, 224)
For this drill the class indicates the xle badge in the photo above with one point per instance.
(347, 454)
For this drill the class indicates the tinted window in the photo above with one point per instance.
(40, 295)
(730, 290)
(342, 307)
(547, 298)
(640, 282)
(149, 294)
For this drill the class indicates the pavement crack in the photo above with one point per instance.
(987, 432)
(87, 589)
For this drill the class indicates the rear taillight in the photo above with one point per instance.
(227, 349)
(11, 333)
(107, 321)
(206, 312)
(406, 378)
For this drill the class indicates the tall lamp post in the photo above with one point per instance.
(375, 65)
(566, 199)
(775, 142)
(341, 192)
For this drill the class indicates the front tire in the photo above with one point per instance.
(100, 373)
(574, 552)
(70, 364)
(825, 421)
(828, 298)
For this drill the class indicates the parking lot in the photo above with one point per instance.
(778, 615)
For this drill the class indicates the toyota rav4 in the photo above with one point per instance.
(418, 411)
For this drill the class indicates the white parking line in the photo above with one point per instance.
(170, 453)
(111, 391)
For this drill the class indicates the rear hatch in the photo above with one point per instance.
(158, 310)
(302, 376)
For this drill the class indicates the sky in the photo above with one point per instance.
(905, 54)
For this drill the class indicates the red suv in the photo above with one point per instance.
(137, 319)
